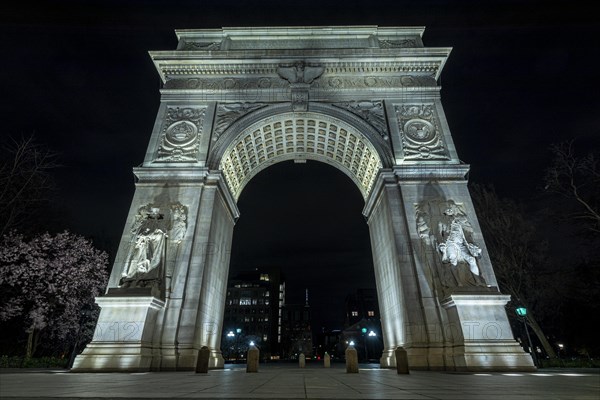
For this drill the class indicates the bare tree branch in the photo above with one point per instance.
(25, 181)
(516, 253)
(576, 179)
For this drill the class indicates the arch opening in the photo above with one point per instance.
(306, 220)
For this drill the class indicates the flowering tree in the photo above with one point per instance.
(47, 281)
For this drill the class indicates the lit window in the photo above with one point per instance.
(245, 302)
(354, 313)
(264, 338)
(371, 313)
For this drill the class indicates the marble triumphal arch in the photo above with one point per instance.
(364, 99)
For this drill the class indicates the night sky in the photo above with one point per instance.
(521, 75)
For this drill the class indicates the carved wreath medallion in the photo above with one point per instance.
(421, 137)
(180, 135)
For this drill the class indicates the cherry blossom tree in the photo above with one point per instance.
(47, 281)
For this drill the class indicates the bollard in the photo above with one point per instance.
(351, 360)
(302, 360)
(401, 360)
(326, 360)
(202, 361)
(252, 360)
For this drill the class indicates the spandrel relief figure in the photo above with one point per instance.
(445, 229)
(179, 223)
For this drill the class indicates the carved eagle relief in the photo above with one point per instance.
(300, 72)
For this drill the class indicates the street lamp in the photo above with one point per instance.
(560, 349)
(364, 340)
(369, 335)
(522, 312)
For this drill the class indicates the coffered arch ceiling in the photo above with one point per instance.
(300, 136)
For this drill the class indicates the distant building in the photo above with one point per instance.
(361, 305)
(297, 333)
(253, 312)
(363, 324)
(330, 341)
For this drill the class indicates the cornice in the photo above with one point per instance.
(435, 170)
(427, 61)
(166, 174)
(304, 31)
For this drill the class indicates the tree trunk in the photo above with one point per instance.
(542, 338)
(32, 342)
(29, 351)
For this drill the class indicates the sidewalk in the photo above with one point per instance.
(290, 382)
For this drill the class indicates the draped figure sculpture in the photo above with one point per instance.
(148, 245)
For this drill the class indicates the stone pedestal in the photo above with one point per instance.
(327, 360)
(123, 337)
(351, 360)
(252, 359)
(401, 361)
(203, 358)
(302, 360)
(483, 339)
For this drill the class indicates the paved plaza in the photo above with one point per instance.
(290, 382)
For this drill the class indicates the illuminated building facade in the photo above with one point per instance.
(253, 312)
